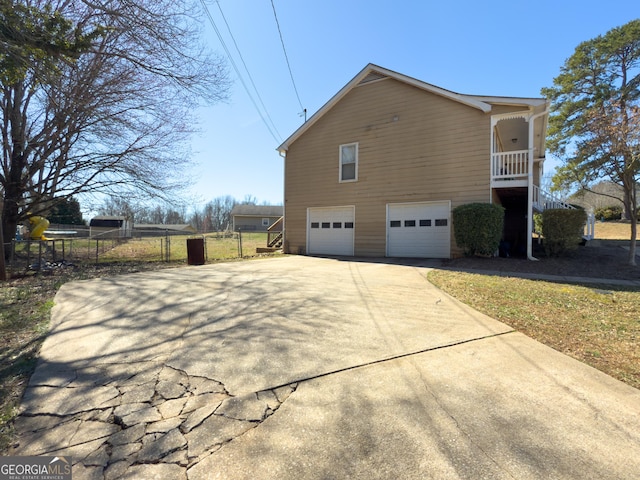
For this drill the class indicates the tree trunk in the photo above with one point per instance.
(3, 267)
(631, 205)
(9, 217)
(632, 244)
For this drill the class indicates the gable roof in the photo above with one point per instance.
(372, 73)
(258, 210)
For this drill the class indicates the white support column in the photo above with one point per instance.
(530, 192)
(531, 119)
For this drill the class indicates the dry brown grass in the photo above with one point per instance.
(614, 231)
(598, 326)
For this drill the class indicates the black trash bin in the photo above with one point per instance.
(195, 251)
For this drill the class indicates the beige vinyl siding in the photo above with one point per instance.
(413, 146)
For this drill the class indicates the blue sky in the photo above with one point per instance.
(507, 48)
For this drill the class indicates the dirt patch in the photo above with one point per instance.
(598, 259)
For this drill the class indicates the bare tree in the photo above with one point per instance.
(217, 213)
(115, 118)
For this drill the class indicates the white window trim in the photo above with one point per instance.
(340, 180)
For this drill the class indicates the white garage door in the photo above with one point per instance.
(419, 230)
(330, 230)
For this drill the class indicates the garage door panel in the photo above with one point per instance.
(419, 230)
(331, 231)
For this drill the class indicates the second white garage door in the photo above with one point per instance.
(330, 230)
(419, 229)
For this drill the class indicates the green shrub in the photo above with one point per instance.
(606, 214)
(537, 223)
(478, 227)
(563, 230)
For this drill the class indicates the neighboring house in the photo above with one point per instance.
(105, 226)
(379, 168)
(257, 218)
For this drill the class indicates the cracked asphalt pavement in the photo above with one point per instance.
(312, 368)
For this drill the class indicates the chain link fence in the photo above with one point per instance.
(143, 246)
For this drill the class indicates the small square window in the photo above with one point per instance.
(337, 224)
(348, 224)
(425, 223)
(265, 222)
(326, 224)
(409, 223)
(315, 225)
(441, 222)
(395, 223)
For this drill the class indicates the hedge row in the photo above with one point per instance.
(478, 228)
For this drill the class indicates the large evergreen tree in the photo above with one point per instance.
(594, 126)
(66, 211)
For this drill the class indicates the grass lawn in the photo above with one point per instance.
(217, 247)
(599, 326)
(614, 231)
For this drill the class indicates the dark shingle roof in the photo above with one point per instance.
(258, 210)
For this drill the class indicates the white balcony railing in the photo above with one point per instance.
(510, 165)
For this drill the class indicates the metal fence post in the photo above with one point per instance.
(13, 256)
(168, 249)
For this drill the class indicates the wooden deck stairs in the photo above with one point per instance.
(275, 235)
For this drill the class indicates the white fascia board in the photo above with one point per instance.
(514, 101)
(469, 100)
(326, 107)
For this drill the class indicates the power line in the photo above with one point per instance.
(247, 70)
(275, 15)
(237, 70)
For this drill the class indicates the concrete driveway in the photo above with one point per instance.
(312, 368)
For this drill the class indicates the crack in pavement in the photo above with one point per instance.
(158, 416)
(114, 422)
(396, 357)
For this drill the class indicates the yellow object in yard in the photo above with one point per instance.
(38, 226)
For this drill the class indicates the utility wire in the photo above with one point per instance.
(275, 15)
(247, 70)
(237, 70)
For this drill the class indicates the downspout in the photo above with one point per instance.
(284, 199)
(530, 187)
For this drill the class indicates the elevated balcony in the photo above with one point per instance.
(509, 169)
